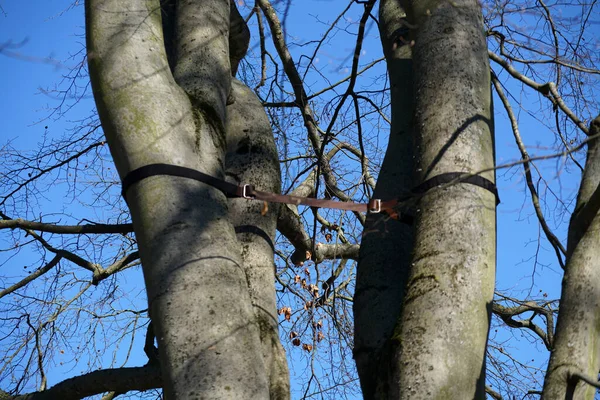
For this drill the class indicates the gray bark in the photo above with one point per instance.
(239, 38)
(252, 159)
(439, 343)
(576, 344)
(386, 246)
(197, 280)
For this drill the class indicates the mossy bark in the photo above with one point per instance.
(199, 285)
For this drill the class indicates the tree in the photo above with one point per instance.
(195, 268)
(575, 354)
(452, 262)
(164, 80)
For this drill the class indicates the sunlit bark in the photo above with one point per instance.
(201, 289)
(440, 339)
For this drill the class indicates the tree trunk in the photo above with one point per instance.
(198, 282)
(440, 340)
(252, 158)
(576, 342)
(386, 244)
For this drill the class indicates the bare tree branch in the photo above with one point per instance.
(495, 395)
(51, 168)
(507, 315)
(120, 380)
(124, 263)
(31, 277)
(544, 88)
(66, 229)
(554, 241)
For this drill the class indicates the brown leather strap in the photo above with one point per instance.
(248, 191)
(374, 205)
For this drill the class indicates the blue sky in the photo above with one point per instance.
(43, 35)
(46, 39)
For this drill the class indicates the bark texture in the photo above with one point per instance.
(577, 339)
(440, 339)
(252, 159)
(198, 282)
(386, 245)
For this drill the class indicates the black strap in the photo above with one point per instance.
(448, 177)
(458, 177)
(230, 189)
(233, 190)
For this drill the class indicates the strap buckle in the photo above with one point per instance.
(246, 190)
(375, 206)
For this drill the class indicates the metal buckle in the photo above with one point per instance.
(245, 191)
(375, 206)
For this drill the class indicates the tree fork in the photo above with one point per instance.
(155, 112)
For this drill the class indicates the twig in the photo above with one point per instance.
(31, 277)
(66, 229)
(554, 241)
